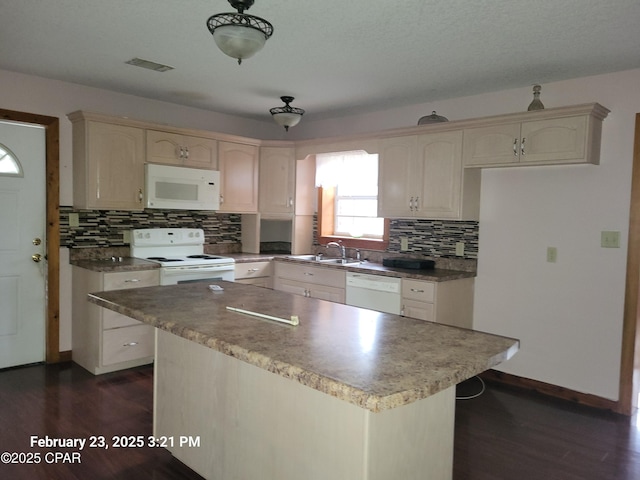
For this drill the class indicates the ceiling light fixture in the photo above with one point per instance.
(287, 116)
(237, 34)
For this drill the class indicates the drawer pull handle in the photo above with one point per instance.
(417, 290)
(252, 270)
(309, 274)
(132, 280)
(130, 344)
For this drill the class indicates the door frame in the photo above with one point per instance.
(52, 161)
(630, 356)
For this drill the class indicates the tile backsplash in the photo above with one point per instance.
(106, 228)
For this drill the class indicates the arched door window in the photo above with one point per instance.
(9, 164)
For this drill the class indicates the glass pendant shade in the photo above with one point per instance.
(239, 41)
(287, 116)
(239, 35)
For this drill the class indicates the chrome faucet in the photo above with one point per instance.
(343, 251)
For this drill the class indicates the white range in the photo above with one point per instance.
(180, 252)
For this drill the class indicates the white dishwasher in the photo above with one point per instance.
(375, 292)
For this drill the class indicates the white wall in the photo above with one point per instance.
(568, 315)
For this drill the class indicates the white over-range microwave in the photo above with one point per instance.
(181, 188)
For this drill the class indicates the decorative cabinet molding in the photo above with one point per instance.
(558, 136)
(238, 165)
(181, 150)
(104, 340)
(108, 165)
(422, 176)
(277, 180)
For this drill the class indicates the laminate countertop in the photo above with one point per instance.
(374, 360)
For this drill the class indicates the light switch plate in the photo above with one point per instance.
(609, 239)
(126, 236)
(404, 244)
(552, 254)
(460, 249)
(74, 219)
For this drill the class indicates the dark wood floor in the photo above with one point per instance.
(502, 434)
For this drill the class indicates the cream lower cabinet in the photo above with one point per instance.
(103, 340)
(309, 281)
(181, 150)
(108, 164)
(255, 273)
(239, 168)
(551, 137)
(450, 303)
(422, 176)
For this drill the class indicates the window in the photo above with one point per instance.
(348, 201)
(9, 165)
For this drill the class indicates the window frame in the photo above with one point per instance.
(326, 210)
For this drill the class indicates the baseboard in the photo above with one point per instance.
(495, 376)
(65, 356)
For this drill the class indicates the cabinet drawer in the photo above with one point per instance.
(418, 290)
(140, 278)
(419, 310)
(316, 275)
(128, 343)
(111, 319)
(253, 269)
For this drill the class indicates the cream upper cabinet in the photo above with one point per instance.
(108, 165)
(182, 150)
(554, 137)
(422, 176)
(277, 180)
(238, 165)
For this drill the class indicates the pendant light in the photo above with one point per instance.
(237, 34)
(287, 116)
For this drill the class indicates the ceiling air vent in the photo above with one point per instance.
(156, 67)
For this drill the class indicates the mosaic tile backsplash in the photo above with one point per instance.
(105, 228)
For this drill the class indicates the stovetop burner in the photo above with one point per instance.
(164, 259)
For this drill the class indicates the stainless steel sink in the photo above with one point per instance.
(340, 261)
(326, 261)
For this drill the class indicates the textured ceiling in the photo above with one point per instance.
(335, 56)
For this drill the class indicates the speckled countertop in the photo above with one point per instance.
(371, 359)
(115, 264)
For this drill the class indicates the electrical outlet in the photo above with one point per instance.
(74, 220)
(460, 249)
(610, 239)
(126, 236)
(404, 244)
(552, 254)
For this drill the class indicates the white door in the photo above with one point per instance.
(22, 228)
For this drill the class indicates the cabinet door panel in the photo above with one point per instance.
(491, 145)
(114, 149)
(277, 179)
(552, 141)
(163, 147)
(397, 176)
(201, 153)
(441, 156)
(238, 177)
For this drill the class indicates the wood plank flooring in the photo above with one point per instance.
(502, 434)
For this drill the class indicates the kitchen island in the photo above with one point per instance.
(348, 393)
